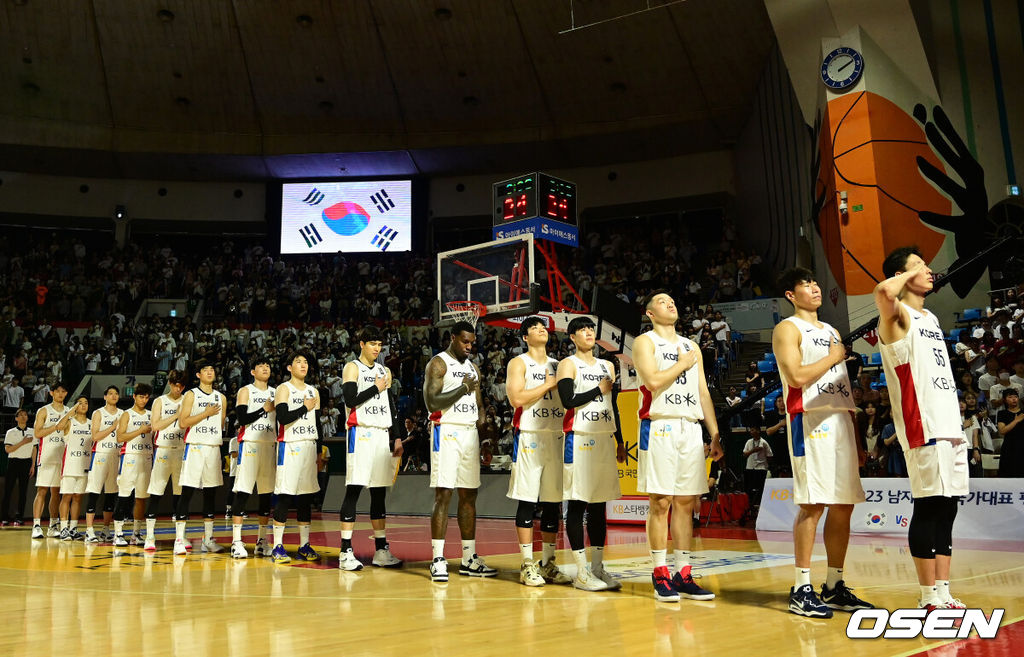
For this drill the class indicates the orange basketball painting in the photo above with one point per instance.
(868, 148)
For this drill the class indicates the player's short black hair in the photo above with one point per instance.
(789, 279)
(369, 334)
(529, 323)
(80, 397)
(144, 389)
(202, 364)
(462, 327)
(897, 260)
(579, 323)
(649, 297)
(20, 411)
(176, 376)
(260, 359)
(109, 388)
(295, 353)
(1010, 391)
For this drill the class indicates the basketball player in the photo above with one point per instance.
(77, 450)
(299, 435)
(825, 450)
(370, 461)
(670, 447)
(50, 425)
(134, 434)
(102, 477)
(536, 451)
(451, 391)
(927, 419)
(593, 443)
(203, 418)
(255, 469)
(169, 441)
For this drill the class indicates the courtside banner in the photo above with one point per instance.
(993, 510)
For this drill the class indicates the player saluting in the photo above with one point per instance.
(927, 418)
(670, 464)
(257, 437)
(592, 445)
(203, 418)
(134, 434)
(77, 450)
(49, 428)
(824, 447)
(103, 466)
(168, 439)
(452, 395)
(536, 451)
(370, 460)
(296, 405)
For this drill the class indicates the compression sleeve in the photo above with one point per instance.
(615, 412)
(352, 398)
(572, 400)
(245, 417)
(284, 416)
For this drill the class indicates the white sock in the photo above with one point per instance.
(63, 525)
(549, 552)
(73, 524)
(682, 558)
(468, 550)
(942, 590)
(346, 534)
(303, 535)
(833, 577)
(580, 557)
(261, 532)
(179, 530)
(597, 557)
(37, 521)
(379, 533)
(526, 551)
(236, 533)
(119, 528)
(437, 547)
(208, 530)
(803, 577)
(929, 596)
(135, 526)
(150, 528)
(278, 534)
(658, 557)
(90, 532)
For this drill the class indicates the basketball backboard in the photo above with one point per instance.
(499, 274)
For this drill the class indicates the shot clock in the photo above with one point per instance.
(536, 203)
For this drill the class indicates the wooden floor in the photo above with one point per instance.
(58, 597)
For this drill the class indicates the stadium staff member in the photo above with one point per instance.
(20, 445)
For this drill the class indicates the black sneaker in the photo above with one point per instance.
(689, 589)
(805, 602)
(842, 598)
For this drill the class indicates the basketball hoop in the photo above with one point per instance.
(466, 311)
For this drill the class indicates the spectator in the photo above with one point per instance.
(757, 452)
(1011, 454)
(871, 425)
(895, 463)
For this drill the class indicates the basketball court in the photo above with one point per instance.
(61, 597)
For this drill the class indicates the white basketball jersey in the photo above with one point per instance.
(596, 416)
(172, 435)
(832, 390)
(264, 428)
(681, 398)
(925, 407)
(77, 449)
(464, 410)
(109, 444)
(375, 411)
(51, 448)
(545, 414)
(305, 427)
(208, 430)
(142, 442)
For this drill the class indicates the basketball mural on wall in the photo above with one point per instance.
(869, 148)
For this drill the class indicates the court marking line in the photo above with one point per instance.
(958, 579)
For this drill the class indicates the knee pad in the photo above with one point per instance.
(238, 505)
(264, 504)
(90, 503)
(524, 514)
(281, 509)
(109, 502)
(152, 505)
(209, 502)
(304, 508)
(549, 516)
(922, 532)
(348, 505)
(378, 508)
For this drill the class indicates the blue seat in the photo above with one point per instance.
(737, 336)
(770, 357)
(765, 366)
(881, 378)
(876, 360)
(743, 394)
(864, 357)
(956, 334)
(971, 314)
(769, 401)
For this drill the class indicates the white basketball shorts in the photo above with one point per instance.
(72, 485)
(201, 467)
(102, 473)
(369, 461)
(133, 474)
(454, 456)
(167, 464)
(670, 458)
(256, 467)
(296, 468)
(589, 471)
(48, 475)
(536, 466)
(938, 469)
(823, 453)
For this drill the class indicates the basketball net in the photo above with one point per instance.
(466, 311)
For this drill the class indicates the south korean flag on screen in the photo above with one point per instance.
(327, 217)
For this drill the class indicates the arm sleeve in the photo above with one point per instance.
(245, 418)
(352, 398)
(284, 416)
(572, 400)
(393, 402)
(615, 412)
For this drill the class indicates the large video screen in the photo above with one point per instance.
(327, 217)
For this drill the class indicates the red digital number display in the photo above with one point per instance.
(557, 207)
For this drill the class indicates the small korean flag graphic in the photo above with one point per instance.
(310, 234)
(382, 240)
(382, 201)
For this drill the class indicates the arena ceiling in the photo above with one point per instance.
(258, 89)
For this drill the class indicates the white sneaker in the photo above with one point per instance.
(179, 546)
(262, 549)
(586, 581)
(238, 550)
(210, 545)
(53, 531)
(552, 575)
(136, 539)
(439, 570)
(347, 561)
(37, 531)
(476, 567)
(606, 577)
(384, 559)
(119, 541)
(150, 545)
(530, 575)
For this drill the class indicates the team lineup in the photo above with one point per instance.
(566, 445)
